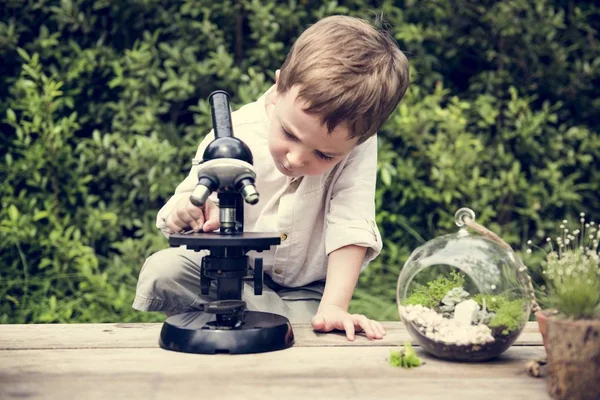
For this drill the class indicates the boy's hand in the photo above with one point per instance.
(330, 317)
(185, 215)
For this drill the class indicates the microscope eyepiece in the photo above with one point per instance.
(221, 113)
(225, 144)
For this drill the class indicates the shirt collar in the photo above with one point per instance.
(261, 103)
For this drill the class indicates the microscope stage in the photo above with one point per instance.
(205, 240)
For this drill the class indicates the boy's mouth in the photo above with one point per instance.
(285, 169)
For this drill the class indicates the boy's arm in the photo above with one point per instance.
(184, 189)
(342, 275)
(350, 219)
(352, 240)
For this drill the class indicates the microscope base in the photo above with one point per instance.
(194, 332)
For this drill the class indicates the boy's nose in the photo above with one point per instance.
(295, 159)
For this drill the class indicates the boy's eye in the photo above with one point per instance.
(323, 156)
(289, 135)
(293, 138)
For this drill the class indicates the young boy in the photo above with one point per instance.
(313, 139)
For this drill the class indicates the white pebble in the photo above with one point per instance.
(441, 329)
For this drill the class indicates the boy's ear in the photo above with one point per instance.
(277, 76)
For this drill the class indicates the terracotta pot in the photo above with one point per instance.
(542, 320)
(573, 349)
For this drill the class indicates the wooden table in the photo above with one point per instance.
(113, 361)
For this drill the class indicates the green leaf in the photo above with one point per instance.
(386, 176)
(13, 213)
(11, 116)
(13, 300)
(30, 71)
(23, 54)
(40, 215)
(44, 263)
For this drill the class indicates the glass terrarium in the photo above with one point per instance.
(464, 296)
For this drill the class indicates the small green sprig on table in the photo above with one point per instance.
(405, 357)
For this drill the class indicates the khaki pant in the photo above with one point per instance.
(170, 282)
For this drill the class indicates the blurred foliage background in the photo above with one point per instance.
(102, 105)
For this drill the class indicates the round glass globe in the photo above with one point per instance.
(463, 297)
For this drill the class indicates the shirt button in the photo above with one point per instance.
(278, 271)
(283, 237)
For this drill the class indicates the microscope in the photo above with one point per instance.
(225, 325)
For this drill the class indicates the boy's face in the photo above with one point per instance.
(299, 144)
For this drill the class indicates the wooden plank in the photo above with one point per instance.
(76, 336)
(295, 373)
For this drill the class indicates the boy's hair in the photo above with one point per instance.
(348, 72)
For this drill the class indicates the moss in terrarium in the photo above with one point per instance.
(419, 298)
(431, 295)
(508, 316)
(507, 313)
(493, 302)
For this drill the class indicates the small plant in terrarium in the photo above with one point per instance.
(464, 297)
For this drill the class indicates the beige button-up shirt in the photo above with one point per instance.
(314, 215)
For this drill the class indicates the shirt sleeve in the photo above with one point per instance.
(351, 216)
(186, 187)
